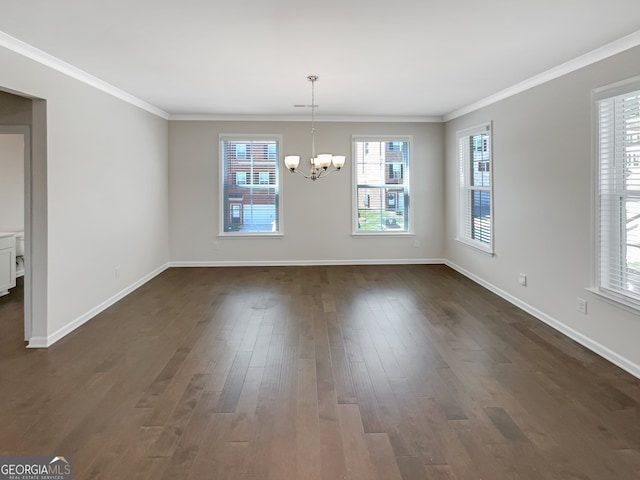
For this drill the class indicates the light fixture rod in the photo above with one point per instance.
(312, 79)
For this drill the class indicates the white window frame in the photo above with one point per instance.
(609, 244)
(277, 183)
(408, 184)
(465, 189)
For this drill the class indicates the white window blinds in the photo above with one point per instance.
(618, 226)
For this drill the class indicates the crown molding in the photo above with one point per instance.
(625, 43)
(37, 55)
(18, 46)
(305, 118)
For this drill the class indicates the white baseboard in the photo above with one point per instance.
(44, 342)
(610, 355)
(308, 263)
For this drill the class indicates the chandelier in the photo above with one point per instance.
(319, 163)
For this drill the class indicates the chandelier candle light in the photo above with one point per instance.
(319, 163)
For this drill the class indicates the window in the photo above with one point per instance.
(263, 178)
(235, 213)
(618, 192)
(240, 151)
(475, 216)
(381, 179)
(249, 190)
(395, 171)
(241, 178)
(272, 151)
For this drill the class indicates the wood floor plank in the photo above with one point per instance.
(230, 395)
(365, 395)
(343, 380)
(247, 405)
(190, 442)
(283, 450)
(505, 424)
(382, 456)
(332, 460)
(439, 472)
(258, 456)
(307, 435)
(358, 460)
(411, 468)
(174, 428)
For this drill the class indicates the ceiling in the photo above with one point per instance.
(377, 58)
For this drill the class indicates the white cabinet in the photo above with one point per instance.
(7, 263)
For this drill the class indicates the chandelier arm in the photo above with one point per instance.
(299, 173)
(330, 170)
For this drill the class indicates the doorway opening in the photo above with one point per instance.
(15, 176)
(23, 124)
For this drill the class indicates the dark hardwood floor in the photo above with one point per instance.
(332, 373)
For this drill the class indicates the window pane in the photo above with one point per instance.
(380, 209)
(632, 245)
(480, 160)
(272, 151)
(481, 216)
(382, 190)
(249, 188)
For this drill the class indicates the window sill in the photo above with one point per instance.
(477, 247)
(388, 233)
(250, 235)
(616, 300)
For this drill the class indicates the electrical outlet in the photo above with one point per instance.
(581, 305)
(117, 271)
(216, 245)
(416, 243)
(522, 279)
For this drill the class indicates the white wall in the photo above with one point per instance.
(106, 191)
(542, 147)
(316, 215)
(11, 182)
